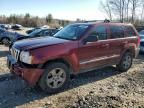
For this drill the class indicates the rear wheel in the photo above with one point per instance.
(55, 78)
(125, 62)
(6, 41)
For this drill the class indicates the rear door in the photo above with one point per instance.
(117, 42)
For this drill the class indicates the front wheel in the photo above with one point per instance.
(6, 41)
(55, 78)
(125, 62)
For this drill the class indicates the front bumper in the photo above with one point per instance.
(30, 75)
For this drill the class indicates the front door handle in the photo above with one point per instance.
(125, 42)
(105, 45)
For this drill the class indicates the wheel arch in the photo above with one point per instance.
(4, 38)
(61, 60)
(130, 50)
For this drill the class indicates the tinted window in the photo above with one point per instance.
(46, 33)
(35, 32)
(39, 33)
(129, 31)
(54, 31)
(116, 32)
(99, 32)
(42, 33)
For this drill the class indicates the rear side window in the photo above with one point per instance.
(100, 32)
(129, 31)
(116, 32)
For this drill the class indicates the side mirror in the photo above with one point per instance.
(91, 38)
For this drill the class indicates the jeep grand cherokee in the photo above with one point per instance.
(49, 61)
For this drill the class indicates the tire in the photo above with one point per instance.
(6, 41)
(55, 78)
(126, 62)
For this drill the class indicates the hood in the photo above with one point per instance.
(33, 43)
(21, 37)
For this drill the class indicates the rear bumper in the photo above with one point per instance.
(30, 75)
(141, 48)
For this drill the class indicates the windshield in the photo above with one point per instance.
(71, 32)
(35, 32)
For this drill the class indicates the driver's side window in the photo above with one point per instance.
(99, 32)
(46, 33)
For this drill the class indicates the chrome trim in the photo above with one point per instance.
(15, 53)
(99, 59)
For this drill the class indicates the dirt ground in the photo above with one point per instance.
(104, 88)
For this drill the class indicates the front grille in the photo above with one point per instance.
(15, 53)
(141, 43)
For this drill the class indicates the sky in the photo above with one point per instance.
(61, 9)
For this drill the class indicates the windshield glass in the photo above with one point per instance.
(35, 32)
(71, 32)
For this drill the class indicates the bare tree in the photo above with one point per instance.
(125, 10)
(127, 3)
(122, 9)
(118, 7)
(134, 4)
(142, 12)
(49, 18)
(106, 7)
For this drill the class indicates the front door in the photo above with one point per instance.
(94, 53)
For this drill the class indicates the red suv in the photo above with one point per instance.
(80, 47)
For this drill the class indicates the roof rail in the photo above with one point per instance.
(93, 21)
(105, 21)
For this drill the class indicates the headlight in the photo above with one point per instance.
(25, 57)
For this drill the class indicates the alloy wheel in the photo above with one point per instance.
(6, 41)
(56, 78)
(127, 62)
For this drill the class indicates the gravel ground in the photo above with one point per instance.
(104, 88)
